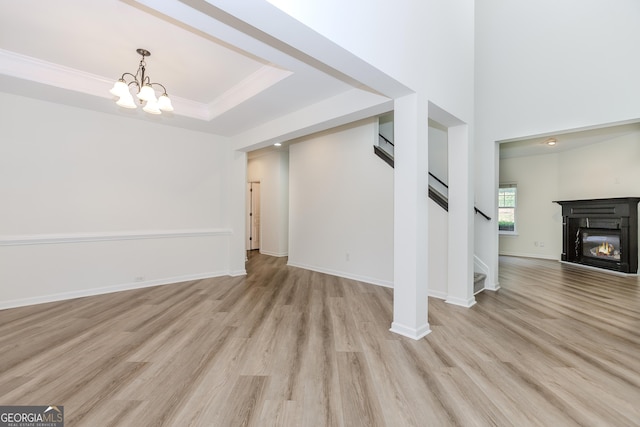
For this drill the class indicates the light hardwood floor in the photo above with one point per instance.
(556, 346)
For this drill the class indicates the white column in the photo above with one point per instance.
(236, 199)
(491, 230)
(461, 217)
(410, 217)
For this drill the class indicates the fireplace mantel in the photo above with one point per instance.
(611, 220)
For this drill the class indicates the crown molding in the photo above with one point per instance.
(34, 69)
(259, 81)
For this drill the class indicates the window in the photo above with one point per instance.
(507, 209)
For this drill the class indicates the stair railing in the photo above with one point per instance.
(385, 139)
(434, 195)
(475, 208)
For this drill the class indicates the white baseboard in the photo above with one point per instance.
(21, 302)
(437, 294)
(236, 273)
(365, 279)
(461, 302)
(413, 333)
(526, 255)
(275, 254)
(491, 286)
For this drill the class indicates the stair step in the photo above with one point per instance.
(478, 282)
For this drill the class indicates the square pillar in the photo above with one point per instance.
(411, 184)
(236, 208)
(461, 217)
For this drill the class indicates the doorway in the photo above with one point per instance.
(253, 216)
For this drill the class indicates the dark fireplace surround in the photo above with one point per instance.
(601, 233)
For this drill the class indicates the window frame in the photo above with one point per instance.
(514, 207)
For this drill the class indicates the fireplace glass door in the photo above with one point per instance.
(601, 244)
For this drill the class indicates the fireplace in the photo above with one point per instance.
(600, 243)
(601, 233)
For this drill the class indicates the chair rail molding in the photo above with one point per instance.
(64, 238)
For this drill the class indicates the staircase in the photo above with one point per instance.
(438, 192)
(438, 189)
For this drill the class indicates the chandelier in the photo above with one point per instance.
(145, 92)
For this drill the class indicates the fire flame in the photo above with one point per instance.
(605, 249)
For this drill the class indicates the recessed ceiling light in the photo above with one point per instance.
(551, 141)
(277, 144)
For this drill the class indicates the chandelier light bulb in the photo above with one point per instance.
(164, 103)
(126, 101)
(119, 88)
(147, 93)
(151, 107)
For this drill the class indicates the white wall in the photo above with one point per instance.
(385, 126)
(439, 218)
(271, 169)
(438, 152)
(425, 44)
(539, 221)
(94, 202)
(549, 66)
(438, 251)
(543, 67)
(341, 205)
(608, 169)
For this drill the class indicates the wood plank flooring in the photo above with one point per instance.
(556, 346)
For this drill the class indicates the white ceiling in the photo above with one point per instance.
(222, 75)
(221, 78)
(565, 140)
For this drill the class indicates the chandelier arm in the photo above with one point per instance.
(128, 74)
(161, 85)
(135, 82)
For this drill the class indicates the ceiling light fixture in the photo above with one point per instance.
(145, 91)
(551, 141)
